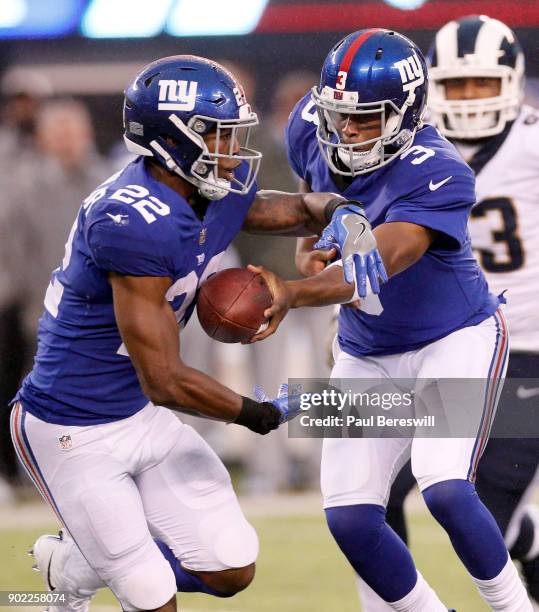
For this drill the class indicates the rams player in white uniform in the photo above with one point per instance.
(475, 100)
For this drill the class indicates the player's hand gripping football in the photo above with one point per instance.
(287, 404)
(350, 232)
(280, 305)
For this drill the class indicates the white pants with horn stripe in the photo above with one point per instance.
(119, 485)
(361, 470)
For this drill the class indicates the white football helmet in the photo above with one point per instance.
(475, 46)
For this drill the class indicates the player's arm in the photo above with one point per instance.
(150, 332)
(290, 214)
(400, 245)
(305, 214)
(310, 261)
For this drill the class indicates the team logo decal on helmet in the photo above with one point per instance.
(411, 72)
(378, 73)
(478, 47)
(177, 95)
(173, 104)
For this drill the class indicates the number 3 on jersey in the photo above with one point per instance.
(506, 234)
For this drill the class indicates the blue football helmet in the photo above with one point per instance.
(370, 72)
(475, 46)
(173, 104)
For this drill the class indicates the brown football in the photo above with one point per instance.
(231, 305)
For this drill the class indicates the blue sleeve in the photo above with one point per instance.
(296, 132)
(125, 246)
(445, 209)
(290, 152)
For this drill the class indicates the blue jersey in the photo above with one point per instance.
(428, 185)
(132, 225)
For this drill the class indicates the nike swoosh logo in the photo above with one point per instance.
(51, 587)
(435, 186)
(363, 229)
(523, 393)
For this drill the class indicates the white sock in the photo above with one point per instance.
(420, 599)
(533, 515)
(505, 592)
(370, 601)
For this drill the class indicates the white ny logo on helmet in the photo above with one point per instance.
(411, 72)
(177, 95)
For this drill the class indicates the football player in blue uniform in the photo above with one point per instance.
(477, 82)
(361, 132)
(147, 506)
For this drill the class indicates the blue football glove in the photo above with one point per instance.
(288, 405)
(350, 232)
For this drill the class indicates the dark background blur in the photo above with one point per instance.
(288, 35)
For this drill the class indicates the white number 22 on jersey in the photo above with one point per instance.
(141, 200)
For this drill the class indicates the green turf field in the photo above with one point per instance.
(299, 569)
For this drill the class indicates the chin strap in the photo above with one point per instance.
(210, 186)
(358, 160)
(213, 191)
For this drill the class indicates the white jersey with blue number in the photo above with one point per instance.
(132, 225)
(428, 185)
(504, 224)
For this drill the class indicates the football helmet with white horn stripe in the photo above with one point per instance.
(475, 47)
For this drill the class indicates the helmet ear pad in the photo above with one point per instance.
(183, 150)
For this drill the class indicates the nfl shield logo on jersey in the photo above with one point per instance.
(65, 442)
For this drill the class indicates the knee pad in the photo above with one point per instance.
(233, 545)
(450, 499)
(372, 549)
(359, 526)
(148, 586)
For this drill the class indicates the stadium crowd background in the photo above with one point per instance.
(60, 135)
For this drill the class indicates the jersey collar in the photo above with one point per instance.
(489, 149)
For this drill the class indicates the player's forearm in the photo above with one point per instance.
(326, 288)
(316, 205)
(401, 245)
(189, 390)
(288, 214)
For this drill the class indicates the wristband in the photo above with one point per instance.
(260, 417)
(335, 203)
